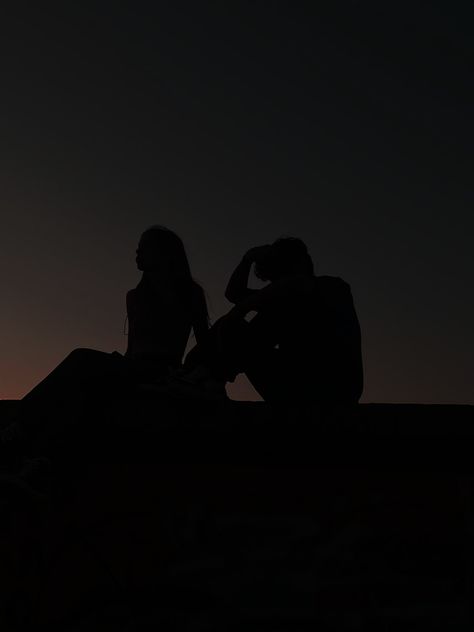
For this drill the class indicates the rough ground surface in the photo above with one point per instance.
(235, 516)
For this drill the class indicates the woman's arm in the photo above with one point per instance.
(200, 315)
(129, 302)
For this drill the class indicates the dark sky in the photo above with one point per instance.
(349, 125)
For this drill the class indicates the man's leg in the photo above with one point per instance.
(235, 346)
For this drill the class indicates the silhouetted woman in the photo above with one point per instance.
(165, 305)
(161, 312)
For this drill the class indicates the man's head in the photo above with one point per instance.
(286, 256)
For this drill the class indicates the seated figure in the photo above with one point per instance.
(161, 311)
(303, 344)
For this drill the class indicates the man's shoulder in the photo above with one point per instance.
(333, 287)
(309, 284)
(331, 280)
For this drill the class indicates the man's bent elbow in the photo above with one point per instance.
(231, 297)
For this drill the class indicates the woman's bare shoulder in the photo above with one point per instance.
(131, 297)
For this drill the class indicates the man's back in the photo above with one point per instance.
(321, 341)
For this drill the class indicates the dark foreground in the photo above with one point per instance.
(220, 517)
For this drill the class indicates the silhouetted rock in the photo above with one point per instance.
(236, 516)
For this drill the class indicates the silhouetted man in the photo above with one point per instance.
(304, 341)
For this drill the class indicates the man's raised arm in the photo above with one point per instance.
(237, 289)
(285, 289)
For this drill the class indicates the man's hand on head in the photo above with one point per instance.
(256, 253)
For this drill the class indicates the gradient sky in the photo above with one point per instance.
(349, 125)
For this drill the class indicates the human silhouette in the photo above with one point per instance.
(303, 344)
(161, 312)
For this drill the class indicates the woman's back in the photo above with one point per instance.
(160, 321)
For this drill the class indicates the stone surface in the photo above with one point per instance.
(236, 516)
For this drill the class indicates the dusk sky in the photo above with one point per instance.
(348, 124)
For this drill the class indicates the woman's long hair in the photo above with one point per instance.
(171, 249)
